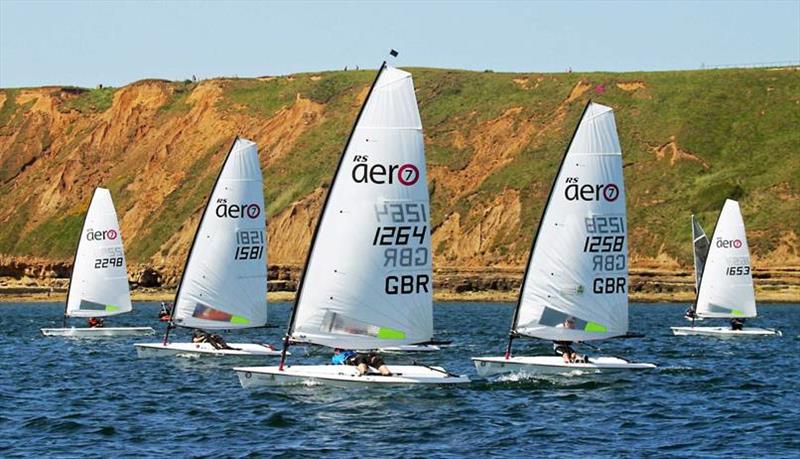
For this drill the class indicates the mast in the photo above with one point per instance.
(694, 257)
(700, 285)
(700, 248)
(512, 333)
(75, 258)
(172, 324)
(300, 285)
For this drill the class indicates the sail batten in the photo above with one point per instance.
(575, 287)
(99, 283)
(726, 286)
(224, 283)
(368, 279)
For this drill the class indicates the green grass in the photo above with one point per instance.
(88, 100)
(57, 235)
(178, 103)
(12, 114)
(178, 206)
(14, 227)
(8, 109)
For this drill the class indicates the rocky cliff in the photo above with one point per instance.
(690, 139)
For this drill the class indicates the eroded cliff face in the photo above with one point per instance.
(494, 142)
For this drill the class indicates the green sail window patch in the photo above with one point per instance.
(595, 327)
(388, 333)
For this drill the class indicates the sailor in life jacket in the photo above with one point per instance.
(737, 323)
(164, 314)
(94, 322)
(362, 362)
(564, 348)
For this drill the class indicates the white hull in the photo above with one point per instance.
(549, 365)
(145, 350)
(410, 348)
(99, 332)
(345, 376)
(724, 331)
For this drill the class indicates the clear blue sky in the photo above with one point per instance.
(114, 43)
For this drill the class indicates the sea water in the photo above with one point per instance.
(709, 397)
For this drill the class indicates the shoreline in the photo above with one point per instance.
(36, 280)
(767, 294)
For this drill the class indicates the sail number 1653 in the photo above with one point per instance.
(737, 270)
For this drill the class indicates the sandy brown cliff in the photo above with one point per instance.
(690, 140)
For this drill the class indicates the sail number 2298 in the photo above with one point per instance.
(106, 262)
(110, 257)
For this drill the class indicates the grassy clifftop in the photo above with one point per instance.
(690, 139)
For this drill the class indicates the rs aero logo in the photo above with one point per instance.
(729, 243)
(586, 192)
(405, 174)
(225, 210)
(97, 235)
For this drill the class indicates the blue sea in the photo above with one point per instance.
(708, 398)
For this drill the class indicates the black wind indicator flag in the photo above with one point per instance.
(393, 53)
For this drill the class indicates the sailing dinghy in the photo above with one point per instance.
(575, 284)
(368, 276)
(224, 282)
(98, 286)
(725, 290)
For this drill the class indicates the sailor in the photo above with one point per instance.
(163, 315)
(737, 323)
(564, 348)
(215, 340)
(94, 322)
(199, 336)
(690, 314)
(362, 362)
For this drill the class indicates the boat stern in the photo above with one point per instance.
(492, 366)
(101, 332)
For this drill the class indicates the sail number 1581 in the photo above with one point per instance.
(249, 245)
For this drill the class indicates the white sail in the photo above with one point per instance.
(579, 265)
(224, 285)
(99, 283)
(368, 281)
(700, 250)
(726, 288)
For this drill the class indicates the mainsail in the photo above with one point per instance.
(224, 283)
(575, 287)
(99, 283)
(700, 249)
(368, 279)
(726, 288)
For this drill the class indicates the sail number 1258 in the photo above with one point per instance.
(604, 244)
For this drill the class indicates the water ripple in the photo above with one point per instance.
(710, 398)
